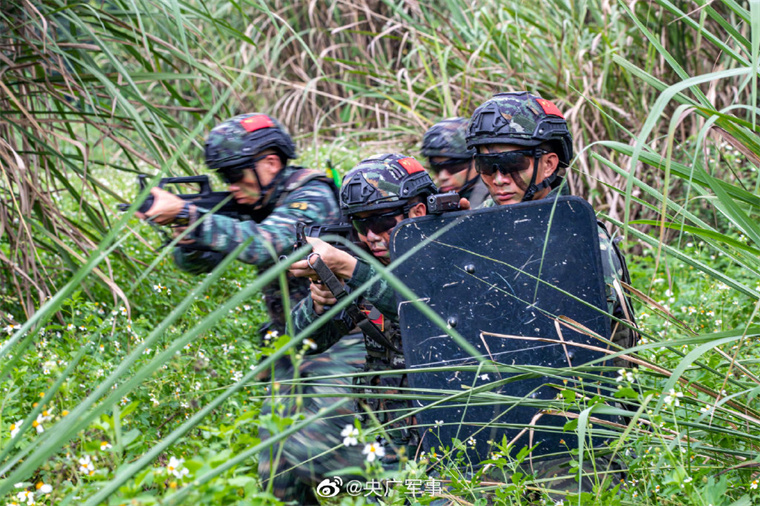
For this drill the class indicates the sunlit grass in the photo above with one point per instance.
(661, 97)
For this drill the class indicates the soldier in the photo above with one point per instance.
(376, 195)
(523, 144)
(451, 161)
(520, 159)
(250, 153)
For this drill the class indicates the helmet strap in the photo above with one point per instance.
(469, 184)
(259, 202)
(266, 193)
(534, 188)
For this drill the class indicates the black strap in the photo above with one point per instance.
(352, 310)
(534, 188)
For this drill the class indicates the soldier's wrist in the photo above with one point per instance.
(349, 265)
(183, 217)
(359, 275)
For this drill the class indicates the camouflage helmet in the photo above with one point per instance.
(447, 138)
(522, 119)
(384, 181)
(235, 142)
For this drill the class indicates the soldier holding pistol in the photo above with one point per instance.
(375, 196)
(451, 161)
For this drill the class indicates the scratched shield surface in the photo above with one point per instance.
(501, 281)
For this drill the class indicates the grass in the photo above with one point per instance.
(129, 375)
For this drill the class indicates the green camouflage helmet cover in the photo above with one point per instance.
(522, 119)
(386, 181)
(235, 142)
(447, 138)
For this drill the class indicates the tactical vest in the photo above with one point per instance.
(298, 288)
(381, 358)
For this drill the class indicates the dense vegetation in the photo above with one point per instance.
(127, 382)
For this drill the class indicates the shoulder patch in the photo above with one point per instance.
(299, 205)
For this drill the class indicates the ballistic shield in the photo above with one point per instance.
(508, 279)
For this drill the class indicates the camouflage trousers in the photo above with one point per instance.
(296, 465)
(298, 288)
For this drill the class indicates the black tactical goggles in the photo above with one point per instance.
(507, 162)
(232, 175)
(377, 223)
(452, 166)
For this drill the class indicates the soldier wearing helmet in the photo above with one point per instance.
(376, 195)
(451, 161)
(250, 153)
(523, 144)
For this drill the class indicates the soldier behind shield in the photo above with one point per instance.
(250, 153)
(451, 161)
(523, 144)
(376, 195)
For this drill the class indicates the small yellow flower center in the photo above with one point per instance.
(64, 412)
(13, 426)
(39, 485)
(35, 423)
(173, 484)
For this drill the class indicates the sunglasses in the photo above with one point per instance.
(232, 175)
(507, 162)
(377, 223)
(451, 166)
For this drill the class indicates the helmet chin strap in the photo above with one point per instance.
(534, 188)
(470, 182)
(265, 191)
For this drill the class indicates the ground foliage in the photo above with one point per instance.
(135, 384)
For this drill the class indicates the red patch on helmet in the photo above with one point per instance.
(257, 122)
(549, 107)
(411, 165)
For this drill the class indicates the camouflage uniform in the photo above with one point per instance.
(296, 473)
(293, 195)
(302, 196)
(447, 139)
(303, 462)
(525, 120)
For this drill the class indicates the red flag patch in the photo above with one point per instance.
(257, 122)
(411, 165)
(549, 107)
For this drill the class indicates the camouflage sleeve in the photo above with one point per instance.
(195, 261)
(313, 203)
(380, 293)
(326, 335)
(621, 334)
(488, 202)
